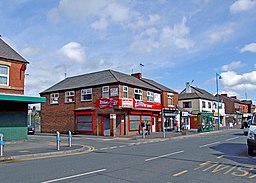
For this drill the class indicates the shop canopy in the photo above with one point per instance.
(22, 98)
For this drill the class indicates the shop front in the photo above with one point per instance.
(169, 118)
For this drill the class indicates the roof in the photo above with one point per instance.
(8, 52)
(98, 78)
(197, 93)
(158, 85)
(22, 98)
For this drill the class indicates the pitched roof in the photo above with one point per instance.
(99, 78)
(8, 52)
(197, 93)
(158, 85)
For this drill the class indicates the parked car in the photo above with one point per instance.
(251, 137)
(247, 125)
(31, 130)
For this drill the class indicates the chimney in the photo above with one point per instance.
(137, 75)
(188, 87)
(224, 94)
(234, 97)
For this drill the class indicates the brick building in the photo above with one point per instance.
(13, 104)
(101, 103)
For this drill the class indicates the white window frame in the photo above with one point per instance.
(105, 92)
(170, 97)
(203, 104)
(138, 92)
(5, 75)
(150, 96)
(54, 98)
(125, 91)
(209, 105)
(86, 91)
(70, 96)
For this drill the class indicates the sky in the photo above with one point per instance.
(176, 41)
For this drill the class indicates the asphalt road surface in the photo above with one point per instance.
(218, 157)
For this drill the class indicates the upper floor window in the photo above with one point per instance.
(203, 104)
(170, 98)
(125, 91)
(105, 92)
(4, 75)
(69, 96)
(86, 94)
(209, 105)
(138, 94)
(187, 104)
(54, 98)
(150, 96)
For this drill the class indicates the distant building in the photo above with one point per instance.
(13, 103)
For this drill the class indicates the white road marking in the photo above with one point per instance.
(74, 176)
(232, 139)
(206, 145)
(98, 139)
(114, 147)
(157, 157)
(105, 148)
(122, 146)
(24, 151)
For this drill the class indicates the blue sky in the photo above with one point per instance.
(177, 41)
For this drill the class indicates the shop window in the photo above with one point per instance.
(125, 91)
(170, 99)
(85, 122)
(69, 96)
(4, 75)
(138, 94)
(209, 105)
(86, 94)
(54, 98)
(134, 122)
(187, 104)
(150, 96)
(105, 92)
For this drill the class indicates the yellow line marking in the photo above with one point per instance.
(252, 176)
(202, 165)
(180, 173)
(220, 156)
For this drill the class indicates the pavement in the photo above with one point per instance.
(45, 145)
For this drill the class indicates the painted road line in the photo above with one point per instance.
(122, 146)
(114, 147)
(180, 173)
(105, 148)
(157, 157)
(206, 145)
(232, 139)
(74, 176)
(202, 165)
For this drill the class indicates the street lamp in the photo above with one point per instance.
(218, 97)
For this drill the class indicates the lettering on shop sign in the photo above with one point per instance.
(106, 103)
(237, 171)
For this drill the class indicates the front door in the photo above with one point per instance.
(118, 125)
(153, 124)
(106, 125)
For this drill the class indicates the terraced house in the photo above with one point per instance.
(101, 103)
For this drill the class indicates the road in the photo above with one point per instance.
(214, 157)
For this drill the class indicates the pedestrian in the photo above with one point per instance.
(148, 127)
(142, 125)
(176, 126)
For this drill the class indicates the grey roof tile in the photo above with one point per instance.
(99, 78)
(197, 93)
(9, 53)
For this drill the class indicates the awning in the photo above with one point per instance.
(22, 98)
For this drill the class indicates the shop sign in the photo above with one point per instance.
(185, 114)
(127, 103)
(146, 105)
(113, 92)
(112, 116)
(169, 112)
(106, 103)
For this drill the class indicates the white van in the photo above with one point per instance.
(251, 137)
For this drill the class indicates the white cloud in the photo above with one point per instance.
(101, 24)
(230, 93)
(222, 34)
(73, 51)
(234, 81)
(249, 47)
(242, 5)
(141, 22)
(29, 51)
(232, 66)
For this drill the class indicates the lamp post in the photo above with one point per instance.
(218, 97)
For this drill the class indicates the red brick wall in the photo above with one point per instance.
(16, 77)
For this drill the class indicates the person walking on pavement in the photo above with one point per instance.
(148, 127)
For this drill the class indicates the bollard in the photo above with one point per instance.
(58, 140)
(1, 145)
(69, 139)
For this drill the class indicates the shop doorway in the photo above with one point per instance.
(106, 125)
(118, 125)
(153, 124)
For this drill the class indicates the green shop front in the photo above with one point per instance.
(13, 115)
